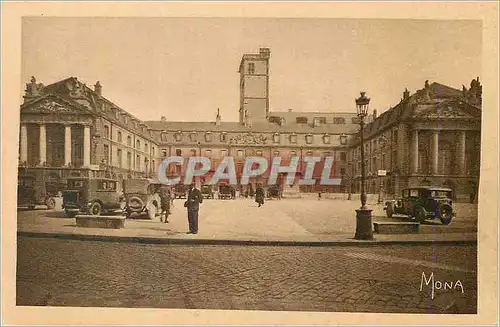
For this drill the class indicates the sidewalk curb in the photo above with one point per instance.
(194, 241)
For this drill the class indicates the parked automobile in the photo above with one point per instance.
(423, 203)
(30, 193)
(207, 191)
(91, 196)
(141, 196)
(180, 191)
(225, 191)
(274, 191)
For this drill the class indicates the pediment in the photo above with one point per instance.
(456, 109)
(52, 104)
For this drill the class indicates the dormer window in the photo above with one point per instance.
(193, 136)
(309, 138)
(276, 138)
(301, 120)
(223, 137)
(178, 136)
(163, 136)
(208, 137)
(338, 120)
(343, 139)
(293, 138)
(274, 119)
(318, 121)
(251, 68)
(326, 139)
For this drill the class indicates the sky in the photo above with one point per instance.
(186, 68)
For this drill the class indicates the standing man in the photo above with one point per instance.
(192, 204)
(259, 195)
(165, 203)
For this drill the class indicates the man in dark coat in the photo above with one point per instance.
(192, 204)
(259, 195)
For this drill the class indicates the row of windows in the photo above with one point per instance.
(129, 140)
(241, 153)
(119, 159)
(377, 163)
(223, 137)
(316, 120)
(374, 144)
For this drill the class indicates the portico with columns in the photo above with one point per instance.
(49, 150)
(431, 138)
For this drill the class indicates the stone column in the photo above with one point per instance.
(43, 145)
(67, 145)
(86, 146)
(24, 143)
(461, 153)
(414, 148)
(435, 151)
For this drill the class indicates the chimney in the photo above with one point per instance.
(163, 119)
(406, 94)
(217, 118)
(98, 88)
(374, 114)
(265, 53)
(290, 110)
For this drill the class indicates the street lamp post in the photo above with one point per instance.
(363, 214)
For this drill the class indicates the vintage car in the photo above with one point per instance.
(30, 194)
(142, 196)
(423, 203)
(225, 191)
(180, 191)
(91, 196)
(274, 191)
(207, 191)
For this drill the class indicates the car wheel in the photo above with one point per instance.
(420, 214)
(95, 209)
(445, 214)
(69, 214)
(390, 210)
(51, 203)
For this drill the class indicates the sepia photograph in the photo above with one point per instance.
(298, 164)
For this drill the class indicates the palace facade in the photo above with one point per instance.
(430, 137)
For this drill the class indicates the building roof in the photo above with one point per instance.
(64, 88)
(262, 127)
(405, 108)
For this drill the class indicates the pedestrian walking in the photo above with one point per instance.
(259, 195)
(319, 195)
(165, 204)
(192, 204)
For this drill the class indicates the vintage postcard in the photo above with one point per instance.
(272, 168)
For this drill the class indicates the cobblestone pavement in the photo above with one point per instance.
(359, 279)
